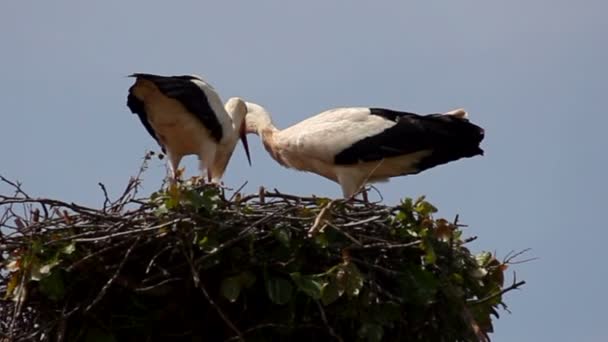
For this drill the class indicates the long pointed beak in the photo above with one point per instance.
(243, 134)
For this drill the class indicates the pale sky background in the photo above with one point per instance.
(532, 73)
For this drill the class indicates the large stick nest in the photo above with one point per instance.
(193, 263)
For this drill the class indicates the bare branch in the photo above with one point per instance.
(331, 330)
(110, 281)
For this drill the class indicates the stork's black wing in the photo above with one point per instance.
(190, 95)
(137, 107)
(447, 137)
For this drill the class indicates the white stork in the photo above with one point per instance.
(185, 115)
(356, 146)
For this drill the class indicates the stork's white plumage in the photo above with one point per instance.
(355, 146)
(185, 115)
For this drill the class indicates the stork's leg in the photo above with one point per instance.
(349, 181)
(364, 195)
(173, 166)
(205, 158)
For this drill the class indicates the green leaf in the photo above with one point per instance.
(354, 280)
(483, 258)
(52, 286)
(400, 216)
(283, 235)
(195, 199)
(12, 288)
(231, 288)
(305, 212)
(172, 201)
(478, 272)
(322, 240)
(161, 210)
(39, 271)
(307, 284)
(36, 247)
(457, 278)
(209, 198)
(208, 244)
(279, 290)
(322, 201)
(371, 332)
(423, 207)
(247, 279)
(430, 257)
(330, 293)
(34, 264)
(419, 285)
(407, 205)
(69, 249)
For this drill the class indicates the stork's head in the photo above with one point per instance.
(238, 110)
(258, 118)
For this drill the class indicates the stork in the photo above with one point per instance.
(185, 115)
(356, 146)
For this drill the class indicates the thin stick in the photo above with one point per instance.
(329, 328)
(197, 282)
(107, 285)
(106, 201)
(514, 286)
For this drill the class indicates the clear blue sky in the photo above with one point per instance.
(533, 73)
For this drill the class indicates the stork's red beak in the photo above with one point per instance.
(243, 134)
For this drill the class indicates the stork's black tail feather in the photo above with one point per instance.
(448, 137)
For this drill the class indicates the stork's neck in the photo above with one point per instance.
(268, 131)
(258, 121)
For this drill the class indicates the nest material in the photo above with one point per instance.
(191, 264)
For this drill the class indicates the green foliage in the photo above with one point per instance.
(190, 264)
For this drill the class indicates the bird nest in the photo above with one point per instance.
(202, 263)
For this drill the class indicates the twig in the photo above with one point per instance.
(197, 283)
(92, 255)
(159, 284)
(16, 186)
(155, 257)
(380, 197)
(361, 187)
(348, 236)
(384, 245)
(129, 232)
(469, 239)
(324, 318)
(474, 326)
(514, 286)
(377, 267)
(512, 255)
(107, 285)
(264, 219)
(357, 223)
(320, 220)
(238, 191)
(18, 303)
(106, 202)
